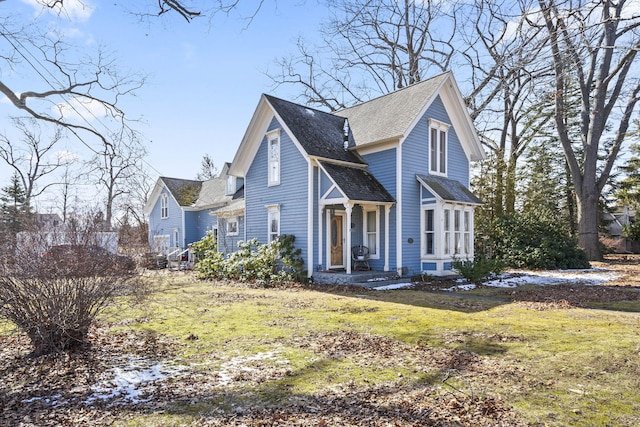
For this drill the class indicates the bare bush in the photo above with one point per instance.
(58, 281)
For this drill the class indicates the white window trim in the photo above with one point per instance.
(230, 185)
(228, 222)
(439, 237)
(365, 233)
(423, 232)
(164, 206)
(273, 210)
(439, 127)
(273, 135)
(176, 237)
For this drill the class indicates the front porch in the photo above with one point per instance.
(370, 278)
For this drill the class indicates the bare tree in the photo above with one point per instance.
(594, 45)
(31, 157)
(186, 9)
(501, 51)
(117, 169)
(69, 89)
(370, 48)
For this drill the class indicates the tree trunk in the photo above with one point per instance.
(588, 223)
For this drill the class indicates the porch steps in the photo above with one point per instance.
(366, 279)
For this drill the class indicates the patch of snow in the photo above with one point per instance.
(394, 286)
(130, 382)
(53, 399)
(466, 287)
(229, 369)
(589, 277)
(309, 112)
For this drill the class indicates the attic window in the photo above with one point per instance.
(164, 206)
(273, 145)
(231, 185)
(438, 132)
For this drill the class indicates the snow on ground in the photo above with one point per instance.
(229, 369)
(511, 279)
(130, 382)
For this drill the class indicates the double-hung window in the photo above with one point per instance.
(466, 230)
(438, 147)
(447, 231)
(164, 206)
(429, 226)
(456, 231)
(371, 234)
(273, 212)
(273, 144)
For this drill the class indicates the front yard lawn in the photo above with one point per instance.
(216, 354)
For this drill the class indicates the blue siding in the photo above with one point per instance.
(206, 223)
(191, 228)
(415, 159)
(457, 163)
(161, 226)
(383, 166)
(325, 183)
(291, 194)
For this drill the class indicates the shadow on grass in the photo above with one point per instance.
(455, 301)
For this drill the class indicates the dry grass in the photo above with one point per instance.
(298, 356)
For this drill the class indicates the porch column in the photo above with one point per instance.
(387, 212)
(321, 236)
(348, 208)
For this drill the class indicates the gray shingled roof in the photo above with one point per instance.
(320, 133)
(390, 116)
(357, 183)
(449, 189)
(185, 191)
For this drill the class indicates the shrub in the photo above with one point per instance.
(265, 264)
(479, 269)
(632, 230)
(54, 293)
(535, 240)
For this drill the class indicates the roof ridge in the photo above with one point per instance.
(300, 105)
(397, 91)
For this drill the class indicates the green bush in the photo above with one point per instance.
(265, 264)
(479, 269)
(535, 240)
(632, 230)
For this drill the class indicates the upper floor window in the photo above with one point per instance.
(164, 206)
(438, 147)
(274, 222)
(273, 140)
(231, 185)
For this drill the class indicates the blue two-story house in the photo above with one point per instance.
(391, 174)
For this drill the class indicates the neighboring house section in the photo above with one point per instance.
(182, 211)
(391, 174)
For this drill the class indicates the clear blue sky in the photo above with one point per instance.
(205, 79)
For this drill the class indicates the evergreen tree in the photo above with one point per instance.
(628, 192)
(14, 210)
